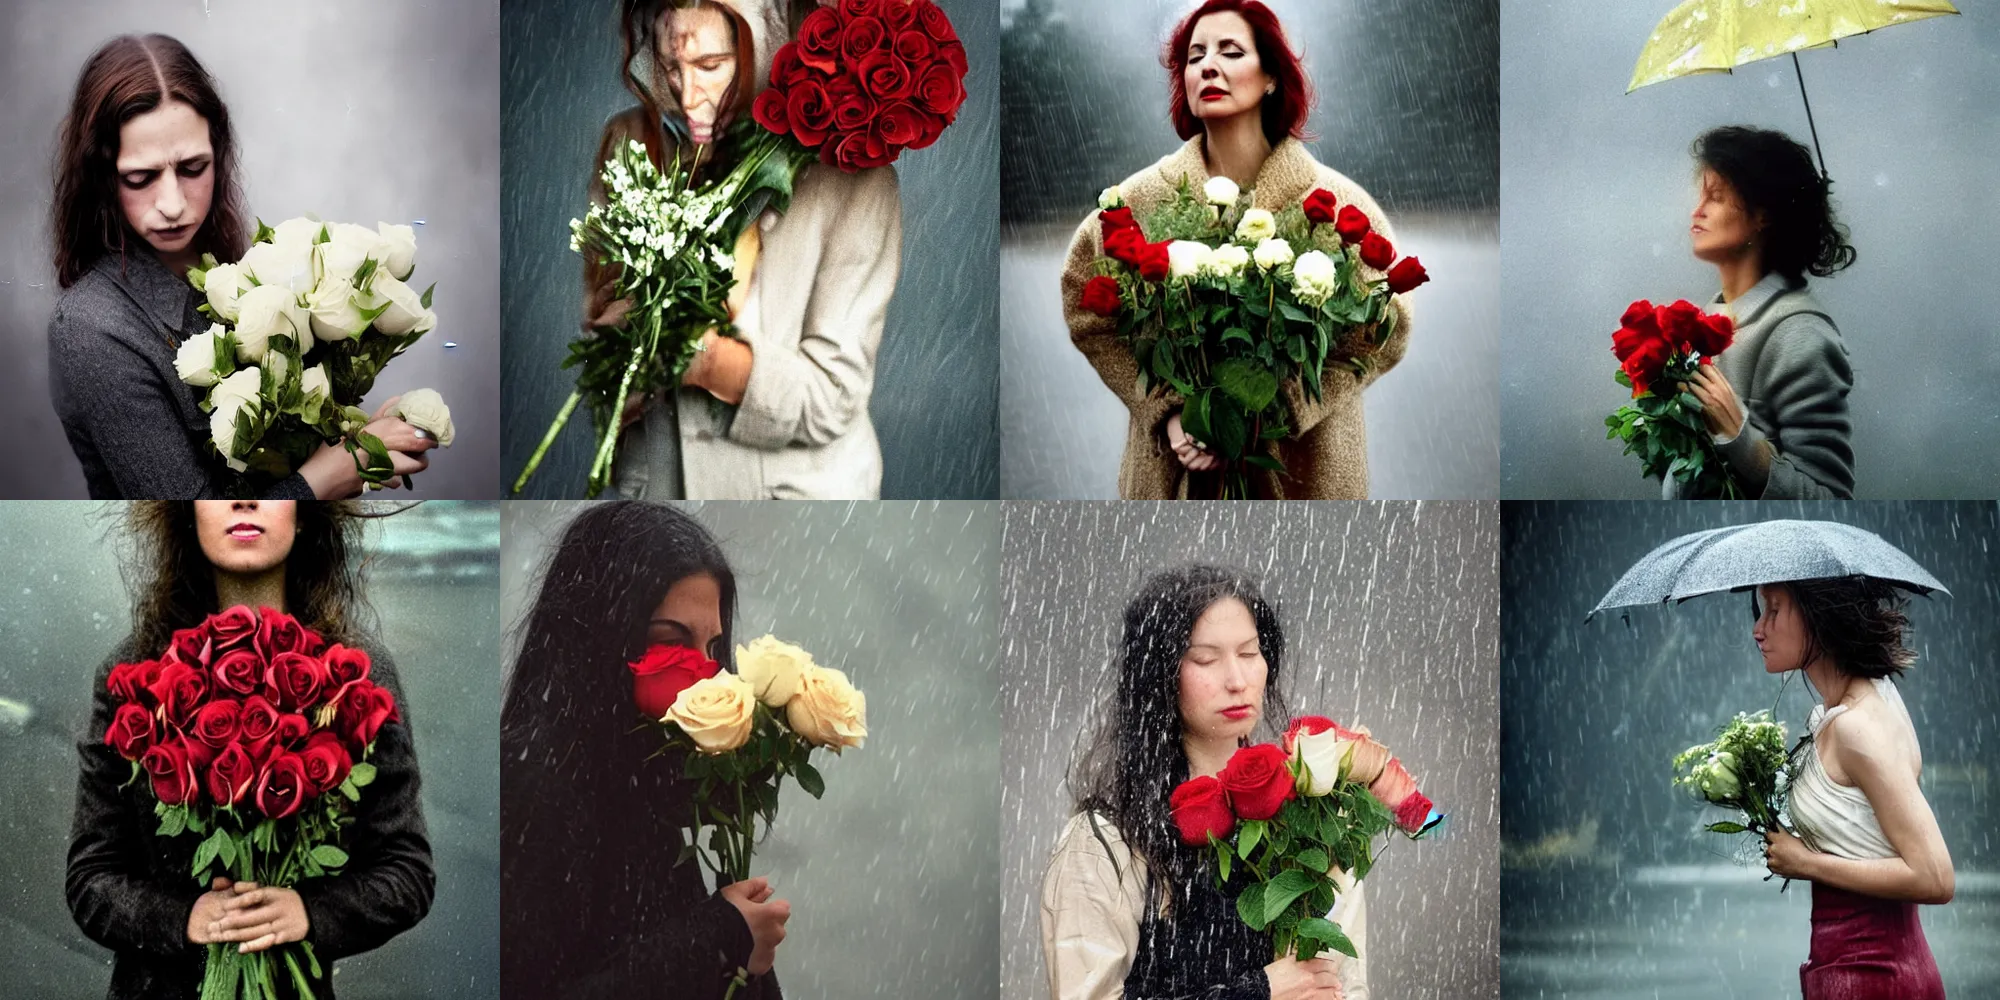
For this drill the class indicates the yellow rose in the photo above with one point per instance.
(828, 711)
(772, 667)
(717, 713)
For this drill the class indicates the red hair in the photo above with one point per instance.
(1284, 111)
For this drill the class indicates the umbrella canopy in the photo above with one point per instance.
(1748, 555)
(1716, 36)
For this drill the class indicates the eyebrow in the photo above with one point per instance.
(156, 168)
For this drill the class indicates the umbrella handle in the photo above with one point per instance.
(1809, 115)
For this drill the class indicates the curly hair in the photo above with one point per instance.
(1857, 622)
(1774, 176)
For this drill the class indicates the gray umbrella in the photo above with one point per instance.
(1744, 556)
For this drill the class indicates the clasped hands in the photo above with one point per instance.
(253, 917)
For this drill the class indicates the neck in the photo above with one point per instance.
(179, 261)
(251, 590)
(1829, 681)
(1236, 148)
(1740, 274)
(1206, 756)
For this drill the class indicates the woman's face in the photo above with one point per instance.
(1780, 632)
(698, 54)
(246, 536)
(1222, 674)
(1722, 229)
(1223, 77)
(166, 175)
(690, 615)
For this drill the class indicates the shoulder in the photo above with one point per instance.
(1864, 738)
(1156, 182)
(90, 312)
(626, 124)
(1091, 841)
(1804, 337)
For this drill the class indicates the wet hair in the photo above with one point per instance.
(1774, 176)
(639, 27)
(1857, 622)
(130, 76)
(1134, 758)
(173, 583)
(1284, 111)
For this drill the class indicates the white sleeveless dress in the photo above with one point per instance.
(1833, 818)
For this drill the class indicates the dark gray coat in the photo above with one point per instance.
(136, 427)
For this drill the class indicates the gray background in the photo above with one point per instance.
(1598, 186)
(1408, 107)
(1391, 620)
(893, 875)
(359, 111)
(433, 581)
(936, 371)
(1610, 887)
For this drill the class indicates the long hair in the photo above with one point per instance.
(1284, 111)
(173, 583)
(1857, 622)
(128, 77)
(1774, 176)
(639, 33)
(1134, 758)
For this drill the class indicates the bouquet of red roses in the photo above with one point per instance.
(1293, 816)
(1659, 349)
(255, 735)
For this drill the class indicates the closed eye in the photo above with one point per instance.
(138, 179)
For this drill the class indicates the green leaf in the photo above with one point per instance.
(1237, 333)
(1225, 859)
(329, 855)
(1727, 827)
(1328, 933)
(1248, 838)
(1250, 906)
(427, 295)
(1194, 418)
(1289, 885)
(1252, 386)
(810, 780)
(1266, 462)
(1312, 859)
(362, 775)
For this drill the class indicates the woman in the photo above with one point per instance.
(597, 902)
(145, 184)
(1868, 841)
(130, 891)
(1776, 400)
(779, 407)
(1127, 909)
(1240, 98)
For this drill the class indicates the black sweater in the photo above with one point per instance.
(1200, 949)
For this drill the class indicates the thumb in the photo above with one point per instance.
(754, 887)
(218, 884)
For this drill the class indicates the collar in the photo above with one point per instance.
(163, 296)
(1752, 303)
(1288, 175)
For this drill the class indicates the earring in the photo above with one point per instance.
(1270, 90)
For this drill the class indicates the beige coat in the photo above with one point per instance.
(1327, 458)
(1093, 902)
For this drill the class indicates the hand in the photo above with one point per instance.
(259, 917)
(331, 472)
(1719, 407)
(207, 910)
(721, 368)
(1785, 855)
(766, 917)
(1193, 454)
(1292, 979)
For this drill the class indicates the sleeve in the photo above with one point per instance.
(696, 950)
(1805, 377)
(135, 425)
(1090, 933)
(812, 393)
(1097, 338)
(387, 886)
(1338, 380)
(115, 900)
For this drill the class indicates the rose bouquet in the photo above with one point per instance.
(303, 325)
(1230, 301)
(255, 735)
(863, 82)
(1291, 816)
(1659, 349)
(1746, 768)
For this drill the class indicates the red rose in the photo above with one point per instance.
(786, 67)
(913, 47)
(240, 671)
(233, 627)
(1397, 790)
(298, 679)
(886, 77)
(663, 673)
(1311, 724)
(809, 112)
(819, 41)
(172, 772)
(859, 151)
(179, 690)
(853, 109)
(326, 762)
(954, 56)
(190, 646)
(1321, 206)
(1154, 262)
(933, 126)
(934, 21)
(1712, 336)
(940, 89)
(769, 111)
(862, 36)
(1377, 252)
(131, 732)
(1642, 317)
(1647, 362)
(1406, 275)
(1626, 341)
(851, 9)
(258, 722)
(1113, 220)
(900, 124)
(1125, 245)
(1259, 781)
(1100, 295)
(218, 723)
(1352, 224)
(282, 786)
(364, 711)
(199, 753)
(345, 666)
(1201, 810)
(292, 728)
(231, 775)
(128, 682)
(278, 632)
(1679, 322)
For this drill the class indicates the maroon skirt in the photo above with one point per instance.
(1865, 948)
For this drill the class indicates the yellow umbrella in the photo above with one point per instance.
(1716, 36)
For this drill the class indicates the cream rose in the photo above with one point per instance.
(284, 265)
(1186, 258)
(224, 284)
(425, 408)
(268, 311)
(1221, 191)
(828, 711)
(195, 362)
(1228, 260)
(299, 232)
(1257, 225)
(232, 396)
(336, 310)
(399, 249)
(717, 713)
(318, 388)
(773, 667)
(350, 247)
(406, 312)
(1313, 275)
(1113, 197)
(1273, 254)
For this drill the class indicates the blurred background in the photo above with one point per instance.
(433, 579)
(1409, 108)
(1610, 887)
(892, 876)
(1391, 620)
(362, 111)
(936, 371)
(1599, 187)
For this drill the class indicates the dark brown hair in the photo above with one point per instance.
(1774, 176)
(1284, 110)
(173, 583)
(1856, 622)
(128, 77)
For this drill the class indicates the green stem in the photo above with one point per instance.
(607, 447)
(535, 460)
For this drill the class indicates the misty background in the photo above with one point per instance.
(433, 580)
(1408, 107)
(1598, 188)
(1609, 887)
(361, 111)
(1391, 620)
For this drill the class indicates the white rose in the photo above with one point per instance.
(336, 310)
(1258, 224)
(285, 265)
(318, 388)
(230, 397)
(406, 312)
(1221, 191)
(773, 667)
(426, 409)
(195, 362)
(1322, 753)
(300, 232)
(268, 311)
(1186, 258)
(399, 249)
(1313, 275)
(1113, 197)
(827, 711)
(224, 284)
(1273, 254)
(718, 713)
(350, 247)
(1229, 260)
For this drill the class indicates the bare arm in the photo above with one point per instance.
(1921, 871)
